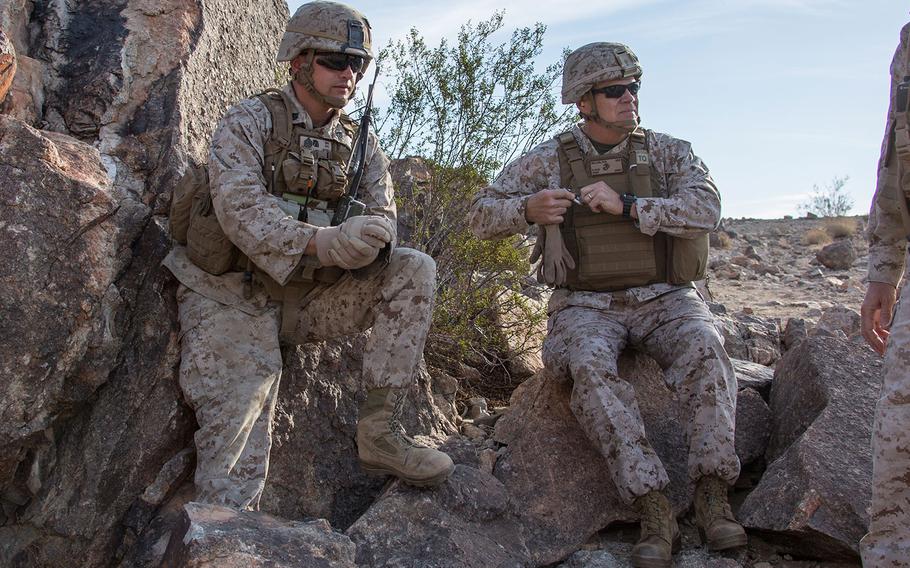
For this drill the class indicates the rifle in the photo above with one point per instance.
(349, 206)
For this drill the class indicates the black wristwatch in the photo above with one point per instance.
(628, 200)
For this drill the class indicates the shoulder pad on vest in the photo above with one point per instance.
(566, 137)
(279, 107)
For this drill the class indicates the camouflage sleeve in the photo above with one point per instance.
(692, 203)
(498, 209)
(376, 188)
(887, 238)
(249, 215)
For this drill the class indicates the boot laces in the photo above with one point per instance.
(716, 504)
(395, 426)
(653, 519)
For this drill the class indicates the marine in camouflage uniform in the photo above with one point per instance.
(589, 328)
(231, 328)
(888, 541)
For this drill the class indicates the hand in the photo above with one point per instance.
(374, 230)
(547, 206)
(601, 198)
(335, 248)
(876, 314)
(351, 253)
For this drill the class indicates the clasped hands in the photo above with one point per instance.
(354, 243)
(547, 207)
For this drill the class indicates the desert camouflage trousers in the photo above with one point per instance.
(888, 541)
(231, 364)
(677, 330)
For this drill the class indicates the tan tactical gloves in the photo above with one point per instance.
(557, 261)
(355, 243)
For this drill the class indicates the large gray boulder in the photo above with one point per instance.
(219, 537)
(467, 522)
(816, 490)
(91, 408)
(558, 480)
(752, 375)
(839, 255)
(314, 470)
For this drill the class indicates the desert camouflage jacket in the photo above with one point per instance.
(688, 206)
(886, 233)
(250, 216)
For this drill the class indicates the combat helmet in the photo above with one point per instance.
(593, 63)
(326, 26)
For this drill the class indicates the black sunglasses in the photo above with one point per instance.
(340, 61)
(616, 91)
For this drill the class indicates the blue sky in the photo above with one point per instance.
(775, 95)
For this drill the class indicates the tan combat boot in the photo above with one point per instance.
(716, 523)
(385, 449)
(659, 532)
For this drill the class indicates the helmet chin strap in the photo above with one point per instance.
(304, 76)
(621, 125)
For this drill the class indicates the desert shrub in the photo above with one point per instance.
(721, 240)
(468, 108)
(840, 227)
(816, 237)
(829, 201)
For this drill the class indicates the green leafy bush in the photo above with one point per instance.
(468, 108)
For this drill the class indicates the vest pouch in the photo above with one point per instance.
(615, 253)
(194, 180)
(330, 180)
(688, 259)
(299, 173)
(206, 244)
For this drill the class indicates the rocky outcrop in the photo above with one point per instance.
(219, 537)
(314, 470)
(88, 351)
(91, 418)
(816, 490)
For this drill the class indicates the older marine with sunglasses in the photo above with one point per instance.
(622, 215)
(280, 164)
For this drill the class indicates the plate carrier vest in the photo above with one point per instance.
(610, 251)
(301, 166)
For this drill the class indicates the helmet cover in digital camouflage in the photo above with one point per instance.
(593, 63)
(326, 26)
